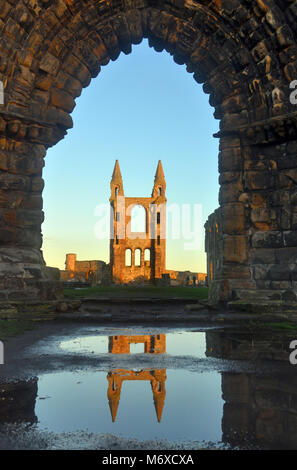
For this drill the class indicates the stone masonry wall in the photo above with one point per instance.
(252, 237)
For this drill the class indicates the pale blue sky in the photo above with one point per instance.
(141, 108)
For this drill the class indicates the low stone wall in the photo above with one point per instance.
(92, 272)
(185, 278)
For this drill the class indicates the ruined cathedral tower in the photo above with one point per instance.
(138, 231)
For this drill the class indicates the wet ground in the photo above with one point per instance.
(72, 385)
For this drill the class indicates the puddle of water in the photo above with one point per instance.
(184, 343)
(189, 407)
(163, 403)
(86, 344)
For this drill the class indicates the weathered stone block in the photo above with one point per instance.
(257, 200)
(32, 202)
(77, 69)
(269, 239)
(280, 285)
(263, 256)
(238, 272)
(49, 64)
(286, 255)
(290, 238)
(230, 192)
(260, 272)
(258, 180)
(63, 100)
(67, 82)
(230, 159)
(37, 184)
(52, 273)
(262, 218)
(20, 255)
(279, 272)
(233, 219)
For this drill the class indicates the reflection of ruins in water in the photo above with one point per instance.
(17, 402)
(243, 345)
(259, 408)
(153, 344)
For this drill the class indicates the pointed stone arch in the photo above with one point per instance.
(244, 52)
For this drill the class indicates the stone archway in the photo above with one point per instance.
(245, 54)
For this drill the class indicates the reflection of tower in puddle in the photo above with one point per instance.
(153, 344)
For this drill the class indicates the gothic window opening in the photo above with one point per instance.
(138, 219)
(137, 257)
(147, 256)
(136, 348)
(128, 257)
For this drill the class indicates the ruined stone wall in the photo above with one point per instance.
(153, 344)
(150, 270)
(70, 262)
(262, 408)
(185, 278)
(270, 200)
(93, 271)
(252, 238)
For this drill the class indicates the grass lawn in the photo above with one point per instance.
(14, 327)
(149, 291)
(283, 326)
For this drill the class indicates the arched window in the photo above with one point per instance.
(138, 219)
(128, 257)
(147, 256)
(116, 191)
(137, 256)
(160, 191)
